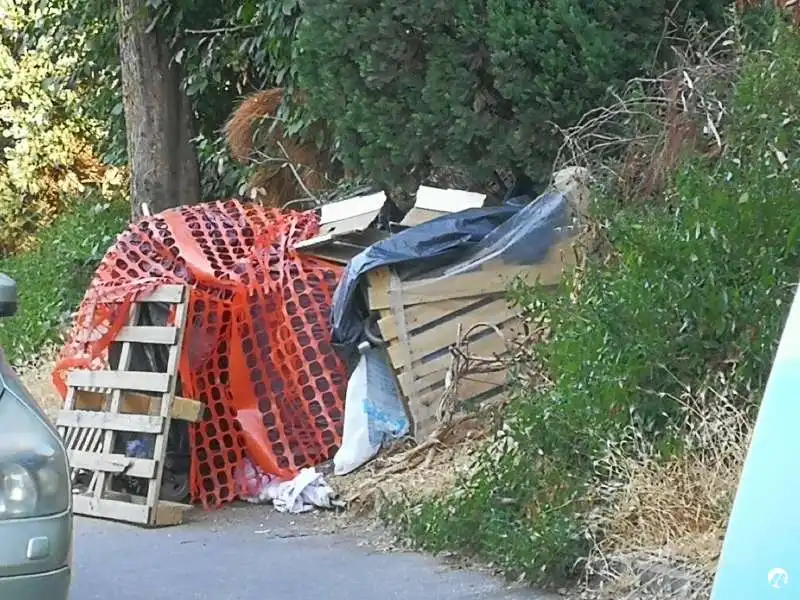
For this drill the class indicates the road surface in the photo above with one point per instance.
(253, 553)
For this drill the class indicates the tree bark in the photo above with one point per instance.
(158, 118)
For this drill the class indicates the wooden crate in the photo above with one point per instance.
(101, 404)
(420, 319)
(420, 322)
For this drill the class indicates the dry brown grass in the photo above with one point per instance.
(36, 374)
(241, 126)
(286, 169)
(670, 515)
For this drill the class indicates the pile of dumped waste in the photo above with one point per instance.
(322, 336)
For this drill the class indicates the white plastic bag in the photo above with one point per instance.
(373, 413)
(307, 491)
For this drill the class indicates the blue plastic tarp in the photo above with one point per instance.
(451, 244)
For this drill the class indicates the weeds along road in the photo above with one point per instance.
(252, 553)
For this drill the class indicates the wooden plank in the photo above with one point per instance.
(164, 514)
(160, 445)
(147, 334)
(446, 334)
(435, 381)
(467, 390)
(120, 380)
(418, 316)
(335, 253)
(132, 402)
(418, 216)
(491, 279)
(490, 345)
(343, 227)
(359, 239)
(118, 464)
(447, 200)
(130, 509)
(426, 422)
(167, 294)
(358, 206)
(187, 410)
(168, 513)
(476, 283)
(105, 508)
(110, 421)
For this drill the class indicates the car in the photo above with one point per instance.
(36, 521)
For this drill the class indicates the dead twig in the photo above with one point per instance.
(218, 30)
(462, 364)
(294, 171)
(639, 138)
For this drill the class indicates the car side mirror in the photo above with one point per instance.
(8, 296)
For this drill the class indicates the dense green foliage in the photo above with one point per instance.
(46, 136)
(225, 50)
(694, 289)
(411, 86)
(475, 86)
(52, 278)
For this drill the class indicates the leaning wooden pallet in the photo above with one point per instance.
(101, 404)
(421, 320)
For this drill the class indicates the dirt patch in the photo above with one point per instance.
(414, 473)
(36, 375)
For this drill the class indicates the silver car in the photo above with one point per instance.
(35, 490)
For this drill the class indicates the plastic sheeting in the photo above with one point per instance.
(450, 245)
(373, 413)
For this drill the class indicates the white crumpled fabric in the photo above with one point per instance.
(307, 491)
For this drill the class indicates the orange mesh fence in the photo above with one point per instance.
(257, 343)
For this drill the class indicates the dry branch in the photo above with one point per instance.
(285, 169)
(640, 138)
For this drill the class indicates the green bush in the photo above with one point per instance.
(225, 50)
(46, 154)
(408, 86)
(693, 288)
(52, 278)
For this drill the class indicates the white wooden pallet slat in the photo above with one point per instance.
(119, 464)
(148, 334)
(95, 419)
(142, 381)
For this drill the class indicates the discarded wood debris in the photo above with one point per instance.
(423, 335)
(101, 404)
(450, 333)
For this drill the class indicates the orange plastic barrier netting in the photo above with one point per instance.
(257, 343)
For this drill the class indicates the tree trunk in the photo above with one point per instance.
(158, 119)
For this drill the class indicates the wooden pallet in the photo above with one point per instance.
(420, 322)
(420, 319)
(101, 404)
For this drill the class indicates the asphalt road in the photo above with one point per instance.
(252, 553)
